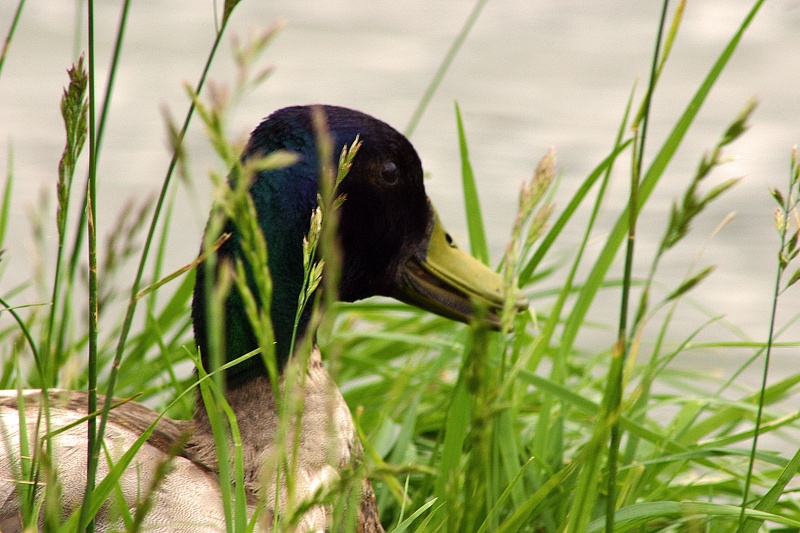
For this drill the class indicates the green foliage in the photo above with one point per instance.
(464, 429)
(477, 235)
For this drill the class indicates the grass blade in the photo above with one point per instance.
(472, 206)
(10, 34)
(6, 196)
(443, 68)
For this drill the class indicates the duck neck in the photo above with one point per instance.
(239, 337)
(283, 207)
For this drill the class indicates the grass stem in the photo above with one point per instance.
(444, 67)
(621, 351)
(128, 320)
(10, 35)
(788, 250)
(92, 437)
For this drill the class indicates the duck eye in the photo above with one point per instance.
(389, 172)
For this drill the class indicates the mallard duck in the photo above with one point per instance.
(392, 244)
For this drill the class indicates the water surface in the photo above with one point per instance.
(531, 75)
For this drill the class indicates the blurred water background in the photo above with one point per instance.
(531, 75)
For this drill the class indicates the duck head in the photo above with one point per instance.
(392, 241)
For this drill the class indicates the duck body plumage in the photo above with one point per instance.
(188, 498)
(392, 244)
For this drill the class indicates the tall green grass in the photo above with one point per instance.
(464, 429)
